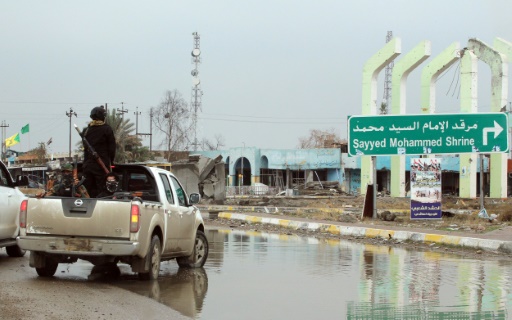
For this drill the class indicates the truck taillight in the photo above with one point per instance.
(135, 219)
(23, 213)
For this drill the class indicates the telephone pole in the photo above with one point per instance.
(137, 113)
(122, 111)
(4, 148)
(70, 114)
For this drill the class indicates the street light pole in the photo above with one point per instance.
(70, 114)
(243, 150)
(137, 113)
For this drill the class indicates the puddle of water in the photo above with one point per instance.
(251, 275)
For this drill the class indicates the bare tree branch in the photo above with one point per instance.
(319, 139)
(172, 118)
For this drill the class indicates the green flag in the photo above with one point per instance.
(25, 129)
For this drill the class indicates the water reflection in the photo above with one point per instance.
(252, 275)
(184, 290)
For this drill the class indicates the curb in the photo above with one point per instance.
(270, 209)
(496, 246)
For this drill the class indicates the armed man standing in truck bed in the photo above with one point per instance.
(101, 138)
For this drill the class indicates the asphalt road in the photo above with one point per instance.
(24, 295)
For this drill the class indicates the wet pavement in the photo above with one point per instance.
(258, 275)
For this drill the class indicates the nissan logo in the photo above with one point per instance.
(78, 202)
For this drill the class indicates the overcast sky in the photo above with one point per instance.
(271, 70)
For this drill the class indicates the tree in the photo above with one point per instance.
(216, 144)
(128, 145)
(123, 132)
(383, 108)
(319, 139)
(39, 152)
(172, 118)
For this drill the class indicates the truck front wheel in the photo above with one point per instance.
(198, 257)
(49, 268)
(152, 260)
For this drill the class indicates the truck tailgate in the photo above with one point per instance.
(78, 217)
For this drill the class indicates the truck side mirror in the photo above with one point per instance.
(194, 198)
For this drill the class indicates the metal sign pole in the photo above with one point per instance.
(374, 170)
(481, 181)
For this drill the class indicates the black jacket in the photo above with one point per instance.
(102, 140)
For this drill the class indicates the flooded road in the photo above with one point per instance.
(252, 275)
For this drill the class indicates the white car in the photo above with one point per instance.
(10, 200)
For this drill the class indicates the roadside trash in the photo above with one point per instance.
(483, 214)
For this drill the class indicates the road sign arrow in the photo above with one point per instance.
(496, 129)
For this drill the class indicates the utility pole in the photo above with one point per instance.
(4, 148)
(70, 114)
(137, 113)
(122, 111)
(150, 129)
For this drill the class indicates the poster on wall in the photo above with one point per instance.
(425, 188)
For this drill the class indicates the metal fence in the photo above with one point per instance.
(252, 191)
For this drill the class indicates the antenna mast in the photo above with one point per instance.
(386, 100)
(196, 84)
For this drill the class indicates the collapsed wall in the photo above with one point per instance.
(203, 175)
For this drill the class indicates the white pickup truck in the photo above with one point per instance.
(10, 200)
(153, 220)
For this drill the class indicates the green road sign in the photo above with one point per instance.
(429, 133)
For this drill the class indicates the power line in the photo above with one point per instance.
(280, 122)
(261, 117)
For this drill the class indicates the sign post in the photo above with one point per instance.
(428, 134)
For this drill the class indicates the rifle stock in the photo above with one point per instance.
(92, 151)
(75, 177)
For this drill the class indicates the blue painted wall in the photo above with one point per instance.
(280, 159)
(340, 167)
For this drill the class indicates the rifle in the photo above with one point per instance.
(92, 151)
(75, 177)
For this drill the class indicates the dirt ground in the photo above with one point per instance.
(458, 213)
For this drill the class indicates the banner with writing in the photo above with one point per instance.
(425, 188)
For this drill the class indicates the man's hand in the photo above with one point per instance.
(40, 195)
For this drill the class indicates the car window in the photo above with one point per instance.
(3, 178)
(167, 188)
(180, 193)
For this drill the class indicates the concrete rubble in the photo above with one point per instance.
(202, 175)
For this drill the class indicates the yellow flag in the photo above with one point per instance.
(12, 140)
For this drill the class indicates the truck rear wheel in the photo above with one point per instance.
(198, 257)
(152, 260)
(49, 268)
(15, 251)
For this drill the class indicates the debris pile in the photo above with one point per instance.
(202, 175)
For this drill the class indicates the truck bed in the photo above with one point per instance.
(60, 216)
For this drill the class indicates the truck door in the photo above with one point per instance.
(172, 217)
(187, 214)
